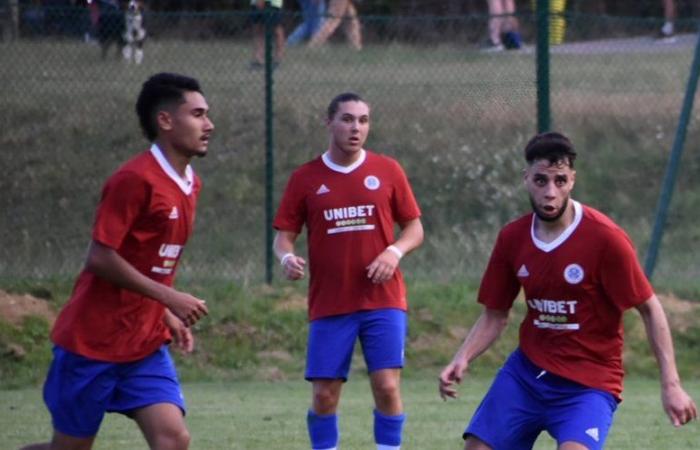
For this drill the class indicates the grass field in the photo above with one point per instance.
(457, 120)
(258, 415)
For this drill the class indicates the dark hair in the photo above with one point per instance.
(160, 90)
(552, 146)
(342, 98)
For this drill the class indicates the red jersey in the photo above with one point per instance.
(350, 214)
(576, 289)
(146, 214)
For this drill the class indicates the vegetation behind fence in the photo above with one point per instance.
(456, 117)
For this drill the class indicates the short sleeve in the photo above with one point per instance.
(291, 214)
(124, 197)
(404, 204)
(622, 277)
(499, 285)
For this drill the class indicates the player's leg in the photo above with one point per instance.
(329, 354)
(581, 417)
(511, 415)
(163, 426)
(383, 338)
(76, 393)
(474, 443)
(149, 392)
(62, 441)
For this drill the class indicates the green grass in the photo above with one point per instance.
(456, 119)
(259, 333)
(258, 415)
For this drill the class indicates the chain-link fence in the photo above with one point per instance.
(456, 114)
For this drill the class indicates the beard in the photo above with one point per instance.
(553, 218)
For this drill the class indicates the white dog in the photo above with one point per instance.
(134, 32)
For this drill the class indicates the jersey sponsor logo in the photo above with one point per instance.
(522, 272)
(322, 190)
(372, 183)
(162, 270)
(349, 218)
(593, 432)
(554, 314)
(173, 214)
(573, 274)
(169, 250)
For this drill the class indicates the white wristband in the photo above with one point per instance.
(395, 250)
(285, 257)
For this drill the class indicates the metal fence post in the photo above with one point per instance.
(269, 142)
(543, 106)
(673, 163)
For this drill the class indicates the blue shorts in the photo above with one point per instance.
(382, 334)
(78, 390)
(524, 400)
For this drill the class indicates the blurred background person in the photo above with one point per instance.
(667, 31)
(340, 11)
(503, 26)
(312, 13)
(258, 18)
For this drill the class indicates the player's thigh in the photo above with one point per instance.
(509, 417)
(77, 392)
(149, 381)
(163, 426)
(330, 345)
(383, 338)
(584, 418)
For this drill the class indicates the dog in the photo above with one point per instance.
(134, 32)
(121, 27)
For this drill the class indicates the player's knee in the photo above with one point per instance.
(387, 388)
(325, 400)
(172, 440)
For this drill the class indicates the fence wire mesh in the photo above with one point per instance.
(455, 113)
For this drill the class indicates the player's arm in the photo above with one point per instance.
(484, 333)
(283, 245)
(678, 405)
(106, 263)
(382, 268)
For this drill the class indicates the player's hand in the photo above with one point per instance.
(383, 267)
(450, 377)
(187, 308)
(678, 405)
(182, 335)
(293, 267)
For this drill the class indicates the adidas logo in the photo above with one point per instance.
(173, 213)
(593, 432)
(322, 190)
(522, 272)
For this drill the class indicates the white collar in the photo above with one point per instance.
(185, 183)
(343, 169)
(549, 246)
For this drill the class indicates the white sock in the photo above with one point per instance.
(388, 447)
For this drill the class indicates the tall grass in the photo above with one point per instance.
(457, 121)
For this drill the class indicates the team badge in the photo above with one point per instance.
(573, 274)
(372, 182)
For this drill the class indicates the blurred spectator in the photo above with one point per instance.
(340, 11)
(258, 17)
(667, 32)
(312, 13)
(503, 26)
